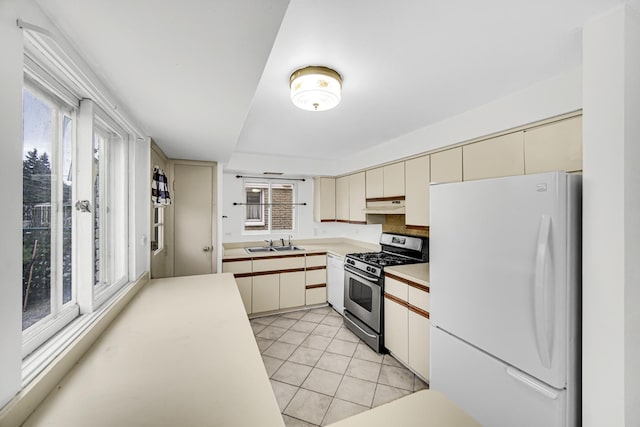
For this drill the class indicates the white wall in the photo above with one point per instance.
(11, 211)
(611, 220)
(11, 75)
(232, 225)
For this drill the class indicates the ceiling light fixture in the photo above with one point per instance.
(315, 88)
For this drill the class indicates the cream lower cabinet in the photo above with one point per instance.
(266, 293)
(241, 267)
(316, 279)
(245, 286)
(292, 289)
(407, 323)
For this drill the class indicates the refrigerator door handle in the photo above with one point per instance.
(540, 291)
(536, 385)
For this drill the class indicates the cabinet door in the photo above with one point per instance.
(419, 328)
(495, 157)
(244, 286)
(266, 293)
(342, 199)
(292, 289)
(556, 146)
(375, 183)
(417, 173)
(394, 184)
(446, 166)
(357, 198)
(233, 266)
(316, 295)
(324, 198)
(396, 330)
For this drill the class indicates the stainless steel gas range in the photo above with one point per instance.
(364, 283)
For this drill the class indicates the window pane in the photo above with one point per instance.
(98, 144)
(67, 207)
(282, 209)
(257, 206)
(36, 208)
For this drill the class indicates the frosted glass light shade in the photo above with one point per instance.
(315, 88)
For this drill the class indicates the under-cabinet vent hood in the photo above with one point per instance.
(388, 207)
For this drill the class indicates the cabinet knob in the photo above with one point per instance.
(207, 248)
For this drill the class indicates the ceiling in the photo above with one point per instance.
(209, 78)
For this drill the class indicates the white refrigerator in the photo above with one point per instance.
(505, 298)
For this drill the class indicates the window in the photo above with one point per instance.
(48, 296)
(269, 206)
(158, 229)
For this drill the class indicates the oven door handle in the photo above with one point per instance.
(361, 275)
(362, 330)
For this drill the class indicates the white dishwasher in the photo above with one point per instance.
(335, 282)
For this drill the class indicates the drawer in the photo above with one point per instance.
(278, 263)
(419, 298)
(236, 266)
(316, 277)
(396, 288)
(316, 260)
(316, 296)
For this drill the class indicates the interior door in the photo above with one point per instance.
(194, 212)
(498, 269)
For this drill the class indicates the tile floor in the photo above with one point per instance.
(321, 372)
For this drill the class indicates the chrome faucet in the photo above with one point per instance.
(270, 242)
(282, 240)
(290, 236)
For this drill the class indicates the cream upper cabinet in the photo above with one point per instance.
(386, 181)
(495, 157)
(552, 147)
(357, 198)
(324, 199)
(417, 173)
(394, 185)
(446, 166)
(342, 199)
(375, 183)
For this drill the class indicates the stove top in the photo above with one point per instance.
(383, 259)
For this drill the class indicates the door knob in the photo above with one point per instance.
(207, 248)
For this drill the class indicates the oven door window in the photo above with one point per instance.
(361, 294)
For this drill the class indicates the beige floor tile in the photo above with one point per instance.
(347, 335)
(271, 364)
(283, 392)
(322, 310)
(365, 352)
(316, 341)
(263, 343)
(280, 350)
(308, 406)
(304, 326)
(271, 333)
(295, 314)
(345, 348)
(325, 330)
(294, 422)
(390, 360)
(341, 409)
(266, 320)
(334, 313)
(321, 381)
(363, 369)
(356, 391)
(332, 321)
(396, 377)
(386, 394)
(257, 327)
(313, 317)
(418, 384)
(334, 363)
(283, 322)
(293, 337)
(292, 373)
(306, 356)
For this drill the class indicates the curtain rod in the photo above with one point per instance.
(268, 177)
(269, 204)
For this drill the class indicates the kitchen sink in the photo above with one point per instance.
(259, 249)
(287, 248)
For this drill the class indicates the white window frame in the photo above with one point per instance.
(269, 183)
(158, 227)
(61, 314)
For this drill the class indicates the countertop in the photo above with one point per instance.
(418, 273)
(182, 353)
(426, 408)
(336, 246)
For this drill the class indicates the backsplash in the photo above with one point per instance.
(395, 224)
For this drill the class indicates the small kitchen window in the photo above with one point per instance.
(269, 206)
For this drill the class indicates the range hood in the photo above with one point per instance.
(385, 207)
